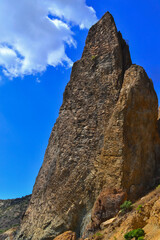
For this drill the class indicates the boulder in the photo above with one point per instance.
(106, 206)
(107, 223)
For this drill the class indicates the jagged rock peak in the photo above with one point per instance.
(104, 136)
(102, 37)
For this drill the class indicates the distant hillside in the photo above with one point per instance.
(11, 212)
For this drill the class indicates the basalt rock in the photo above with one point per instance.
(106, 136)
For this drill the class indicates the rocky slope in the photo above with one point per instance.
(11, 212)
(145, 214)
(105, 140)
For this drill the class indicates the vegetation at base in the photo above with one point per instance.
(97, 236)
(126, 206)
(137, 234)
(158, 187)
(2, 231)
(139, 208)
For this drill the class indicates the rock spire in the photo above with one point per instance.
(105, 137)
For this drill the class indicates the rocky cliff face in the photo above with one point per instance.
(11, 212)
(106, 137)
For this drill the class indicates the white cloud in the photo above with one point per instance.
(75, 11)
(33, 34)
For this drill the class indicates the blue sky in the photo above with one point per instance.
(31, 88)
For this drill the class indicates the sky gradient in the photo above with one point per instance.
(30, 102)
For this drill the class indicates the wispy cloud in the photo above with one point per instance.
(33, 34)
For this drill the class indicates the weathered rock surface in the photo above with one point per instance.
(69, 235)
(146, 217)
(106, 206)
(106, 136)
(107, 223)
(11, 212)
(132, 136)
(10, 234)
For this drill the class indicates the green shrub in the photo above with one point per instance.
(2, 230)
(138, 234)
(141, 238)
(98, 236)
(139, 208)
(126, 206)
(158, 187)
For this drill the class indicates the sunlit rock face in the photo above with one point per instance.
(104, 137)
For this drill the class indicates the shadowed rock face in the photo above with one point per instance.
(104, 137)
